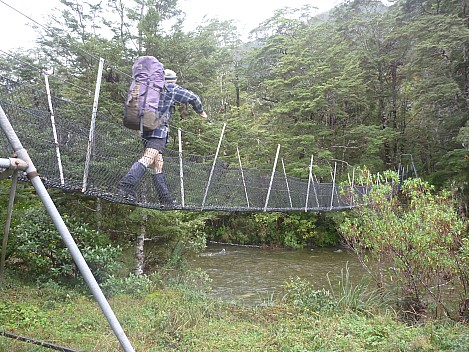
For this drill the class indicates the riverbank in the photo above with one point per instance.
(180, 319)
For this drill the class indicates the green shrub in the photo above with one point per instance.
(135, 285)
(416, 242)
(39, 249)
(21, 315)
(301, 294)
(293, 230)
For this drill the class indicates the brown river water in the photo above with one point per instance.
(252, 276)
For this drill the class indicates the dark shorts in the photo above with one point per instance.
(155, 143)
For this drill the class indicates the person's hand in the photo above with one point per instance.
(203, 114)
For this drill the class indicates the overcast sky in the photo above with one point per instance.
(16, 32)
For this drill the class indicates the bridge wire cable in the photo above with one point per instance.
(37, 342)
(199, 136)
(22, 62)
(48, 30)
(85, 52)
(61, 38)
(43, 71)
(215, 124)
(106, 64)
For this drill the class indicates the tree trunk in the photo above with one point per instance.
(383, 115)
(140, 33)
(99, 214)
(139, 247)
(237, 91)
(466, 76)
(393, 114)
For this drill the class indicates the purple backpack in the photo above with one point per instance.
(141, 106)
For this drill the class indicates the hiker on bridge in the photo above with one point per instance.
(155, 140)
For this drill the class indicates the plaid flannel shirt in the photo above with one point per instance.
(173, 94)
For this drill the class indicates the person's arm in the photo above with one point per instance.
(183, 96)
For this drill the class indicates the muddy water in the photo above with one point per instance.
(253, 276)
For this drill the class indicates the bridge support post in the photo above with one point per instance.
(181, 170)
(14, 182)
(286, 181)
(213, 165)
(272, 178)
(333, 185)
(93, 122)
(352, 187)
(54, 130)
(311, 182)
(242, 176)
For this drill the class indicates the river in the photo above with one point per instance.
(251, 275)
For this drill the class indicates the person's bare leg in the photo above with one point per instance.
(157, 166)
(137, 170)
(149, 157)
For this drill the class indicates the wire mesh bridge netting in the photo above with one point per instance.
(73, 159)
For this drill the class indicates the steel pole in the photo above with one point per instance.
(272, 178)
(181, 168)
(54, 130)
(64, 232)
(213, 165)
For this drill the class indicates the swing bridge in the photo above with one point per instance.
(91, 159)
(43, 131)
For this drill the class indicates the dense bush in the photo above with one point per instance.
(37, 248)
(417, 242)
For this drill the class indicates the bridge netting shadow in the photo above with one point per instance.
(73, 159)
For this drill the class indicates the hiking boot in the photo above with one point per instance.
(162, 190)
(127, 183)
(127, 194)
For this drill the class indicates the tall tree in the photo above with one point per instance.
(438, 84)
